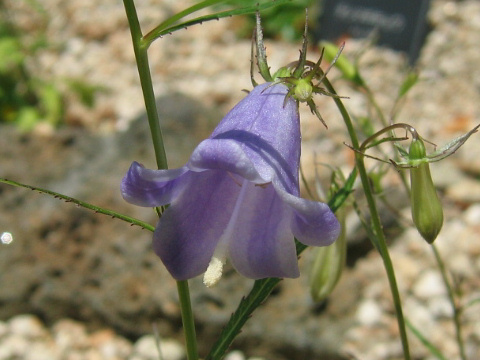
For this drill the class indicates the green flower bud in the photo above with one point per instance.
(427, 212)
(303, 90)
(328, 264)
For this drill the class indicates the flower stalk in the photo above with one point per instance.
(140, 48)
(457, 310)
(379, 241)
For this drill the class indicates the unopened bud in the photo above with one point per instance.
(328, 264)
(303, 90)
(427, 212)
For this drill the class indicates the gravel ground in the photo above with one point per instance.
(25, 337)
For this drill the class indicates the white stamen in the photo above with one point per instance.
(6, 238)
(214, 272)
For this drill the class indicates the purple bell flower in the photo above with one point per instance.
(237, 197)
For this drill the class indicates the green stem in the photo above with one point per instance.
(140, 47)
(187, 319)
(451, 298)
(379, 241)
(375, 105)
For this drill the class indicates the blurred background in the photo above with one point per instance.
(78, 285)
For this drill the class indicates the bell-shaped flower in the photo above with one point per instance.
(237, 198)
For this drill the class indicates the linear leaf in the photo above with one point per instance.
(161, 30)
(83, 204)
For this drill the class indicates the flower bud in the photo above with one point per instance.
(427, 212)
(303, 90)
(328, 264)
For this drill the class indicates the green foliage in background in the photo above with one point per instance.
(285, 22)
(24, 99)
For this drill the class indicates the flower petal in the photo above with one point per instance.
(268, 128)
(189, 230)
(261, 244)
(226, 155)
(313, 222)
(150, 188)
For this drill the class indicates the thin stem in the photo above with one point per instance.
(187, 319)
(379, 241)
(451, 297)
(140, 48)
(375, 105)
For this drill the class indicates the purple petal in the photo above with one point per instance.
(150, 188)
(261, 242)
(313, 223)
(226, 155)
(189, 230)
(268, 131)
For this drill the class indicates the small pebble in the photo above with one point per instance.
(472, 215)
(6, 238)
(429, 284)
(369, 313)
(28, 326)
(235, 355)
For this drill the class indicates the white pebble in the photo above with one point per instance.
(146, 348)
(235, 355)
(429, 284)
(41, 351)
(6, 238)
(28, 326)
(440, 307)
(70, 335)
(369, 313)
(13, 347)
(472, 215)
(171, 350)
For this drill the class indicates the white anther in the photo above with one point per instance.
(6, 238)
(214, 272)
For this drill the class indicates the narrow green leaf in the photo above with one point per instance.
(432, 348)
(173, 19)
(161, 30)
(410, 80)
(83, 204)
(260, 291)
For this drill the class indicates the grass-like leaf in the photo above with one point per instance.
(432, 348)
(83, 204)
(170, 25)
